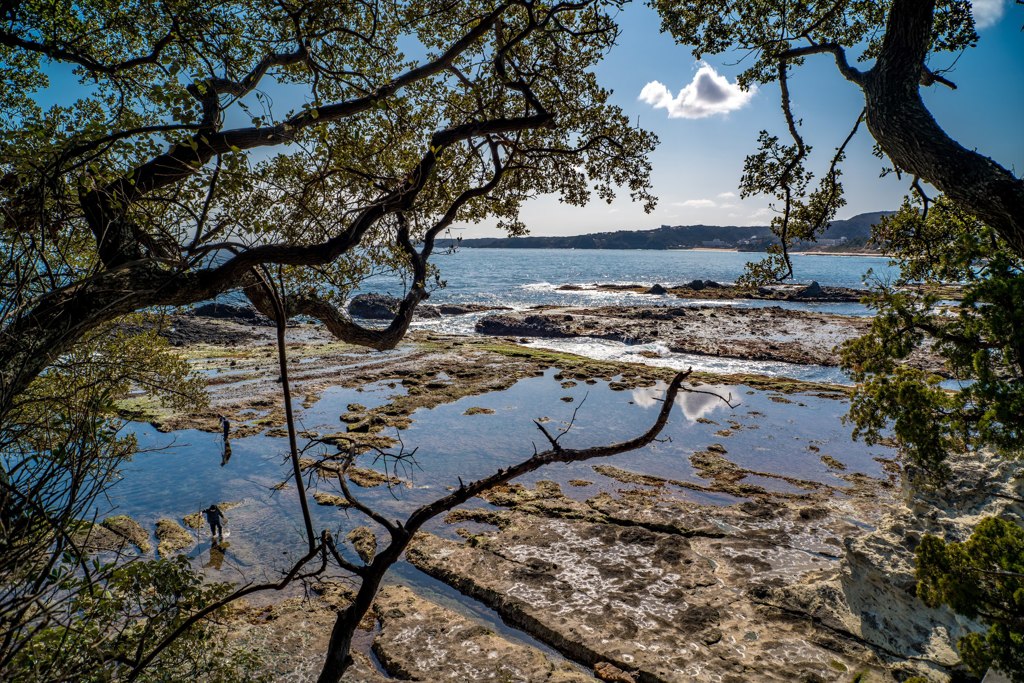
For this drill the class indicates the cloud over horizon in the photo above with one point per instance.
(708, 94)
(988, 12)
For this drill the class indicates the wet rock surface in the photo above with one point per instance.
(710, 289)
(384, 307)
(812, 586)
(656, 605)
(422, 641)
(292, 635)
(757, 587)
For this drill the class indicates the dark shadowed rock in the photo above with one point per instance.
(695, 285)
(530, 325)
(428, 312)
(657, 289)
(463, 309)
(374, 306)
(811, 290)
(224, 311)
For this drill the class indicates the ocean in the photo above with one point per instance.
(528, 277)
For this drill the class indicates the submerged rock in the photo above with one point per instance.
(196, 520)
(96, 538)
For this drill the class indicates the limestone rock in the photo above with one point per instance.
(648, 601)
(423, 641)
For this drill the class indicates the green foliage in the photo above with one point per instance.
(145, 74)
(982, 578)
(60, 448)
(755, 27)
(114, 622)
(979, 339)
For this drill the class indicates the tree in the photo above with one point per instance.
(145, 190)
(60, 450)
(146, 161)
(981, 340)
(972, 235)
(899, 37)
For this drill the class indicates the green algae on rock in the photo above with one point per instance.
(171, 538)
(129, 529)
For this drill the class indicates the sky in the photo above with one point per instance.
(707, 125)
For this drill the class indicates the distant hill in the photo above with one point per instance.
(857, 228)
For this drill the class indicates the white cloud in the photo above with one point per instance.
(709, 93)
(726, 195)
(988, 12)
(696, 204)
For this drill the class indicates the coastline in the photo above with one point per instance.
(660, 513)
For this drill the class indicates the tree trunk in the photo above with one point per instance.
(914, 141)
(339, 650)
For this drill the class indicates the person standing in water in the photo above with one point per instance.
(214, 516)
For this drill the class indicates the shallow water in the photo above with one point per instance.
(181, 473)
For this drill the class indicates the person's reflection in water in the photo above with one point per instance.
(217, 551)
(226, 455)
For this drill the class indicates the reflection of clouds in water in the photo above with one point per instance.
(694, 405)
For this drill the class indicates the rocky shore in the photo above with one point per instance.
(728, 572)
(770, 333)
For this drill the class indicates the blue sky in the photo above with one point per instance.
(699, 161)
